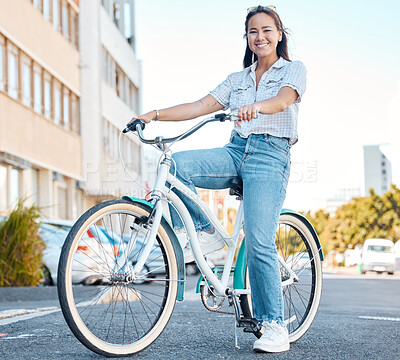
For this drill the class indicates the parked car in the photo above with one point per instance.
(95, 256)
(87, 263)
(378, 255)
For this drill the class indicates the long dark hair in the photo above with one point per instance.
(281, 49)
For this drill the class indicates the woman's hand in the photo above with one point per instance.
(148, 117)
(248, 112)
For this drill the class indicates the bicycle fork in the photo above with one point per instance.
(153, 221)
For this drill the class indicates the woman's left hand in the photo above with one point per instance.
(248, 112)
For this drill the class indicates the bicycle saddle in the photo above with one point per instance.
(236, 187)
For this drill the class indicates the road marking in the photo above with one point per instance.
(1, 335)
(22, 336)
(379, 318)
(18, 312)
(28, 316)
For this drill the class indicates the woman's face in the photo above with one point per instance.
(262, 35)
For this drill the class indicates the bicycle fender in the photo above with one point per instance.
(238, 279)
(309, 226)
(174, 240)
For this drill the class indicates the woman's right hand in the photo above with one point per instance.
(147, 118)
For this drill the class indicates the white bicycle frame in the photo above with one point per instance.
(162, 192)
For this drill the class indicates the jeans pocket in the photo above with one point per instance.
(279, 143)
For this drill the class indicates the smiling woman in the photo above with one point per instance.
(266, 97)
(273, 27)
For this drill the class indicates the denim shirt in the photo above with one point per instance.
(240, 89)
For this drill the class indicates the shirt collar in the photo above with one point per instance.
(277, 64)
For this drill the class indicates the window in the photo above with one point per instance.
(133, 96)
(46, 9)
(127, 21)
(126, 90)
(57, 102)
(75, 113)
(37, 88)
(14, 186)
(13, 71)
(2, 63)
(65, 18)
(37, 4)
(35, 186)
(62, 199)
(66, 118)
(3, 187)
(73, 23)
(47, 96)
(26, 81)
(105, 65)
(120, 83)
(56, 14)
(116, 13)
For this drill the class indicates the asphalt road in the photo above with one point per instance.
(359, 318)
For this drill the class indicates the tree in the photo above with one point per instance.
(362, 218)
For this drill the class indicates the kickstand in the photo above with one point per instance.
(237, 318)
(236, 337)
(249, 325)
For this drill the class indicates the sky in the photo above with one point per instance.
(351, 49)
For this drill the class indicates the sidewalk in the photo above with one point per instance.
(351, 270)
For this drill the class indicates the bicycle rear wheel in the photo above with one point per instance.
(297, 246)
(119, 316)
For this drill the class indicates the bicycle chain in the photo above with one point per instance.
(214, 310)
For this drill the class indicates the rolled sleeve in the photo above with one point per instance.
(222, 92)
(295, 78)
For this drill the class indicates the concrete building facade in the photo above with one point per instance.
(40, 135)
(377, 170)
(111, 83)
(69, 82)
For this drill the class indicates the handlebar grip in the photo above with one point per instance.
(133, 124)
(221, 117)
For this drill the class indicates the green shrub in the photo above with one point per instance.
(21, 247)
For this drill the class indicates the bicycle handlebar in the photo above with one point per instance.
(138, 126)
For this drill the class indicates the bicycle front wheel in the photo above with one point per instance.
(119, 315)
(297, 246)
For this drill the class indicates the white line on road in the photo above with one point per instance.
(379, 318)
(17, 312)
(39, 312)
(18, 337)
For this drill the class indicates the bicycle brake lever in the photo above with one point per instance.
(132, 126)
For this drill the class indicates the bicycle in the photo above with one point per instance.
(123, 315)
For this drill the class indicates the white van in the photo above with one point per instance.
(378, 255)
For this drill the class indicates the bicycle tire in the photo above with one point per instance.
(297, 246)
(116, 318)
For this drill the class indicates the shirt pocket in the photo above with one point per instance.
(241, 95)
(270, 87)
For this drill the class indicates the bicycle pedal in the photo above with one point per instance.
(249, 324)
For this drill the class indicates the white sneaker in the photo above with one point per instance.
(208, 243)
(275, 338)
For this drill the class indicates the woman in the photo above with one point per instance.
(266, 95)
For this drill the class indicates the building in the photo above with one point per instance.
(110, 97)
(377, 170)
(69, 82)
(40, 130)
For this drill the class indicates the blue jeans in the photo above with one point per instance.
(262, 162)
